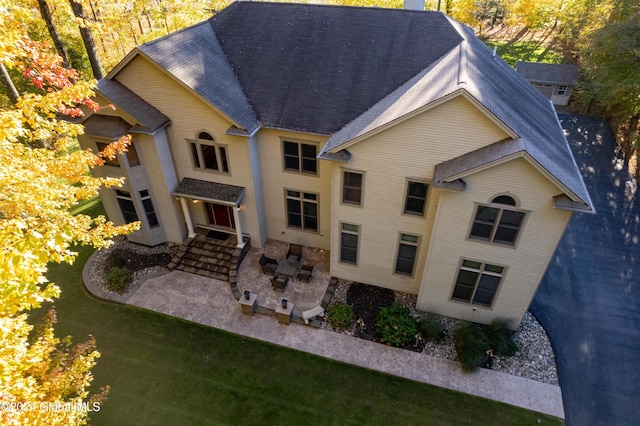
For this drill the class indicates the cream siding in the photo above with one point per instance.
(275, 180)
(525, 263)
(189, 116)
(389, 159)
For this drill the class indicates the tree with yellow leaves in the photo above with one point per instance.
(43, 380)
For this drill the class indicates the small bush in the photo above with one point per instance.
(500, 338)
(340, 315)
(431, 328)
(396, 326)
(471, 346)
(118, 279)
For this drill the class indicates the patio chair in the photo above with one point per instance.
(268, 265)
(279, 283)
(295, 251)
(304, 273)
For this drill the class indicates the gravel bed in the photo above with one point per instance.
(535, 359)
(101, 262)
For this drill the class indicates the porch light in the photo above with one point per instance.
(247, 294)
(195, 201)
(240, 208)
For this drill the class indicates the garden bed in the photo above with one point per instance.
(534, 360)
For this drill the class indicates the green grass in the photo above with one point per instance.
(531, 51)
(164, 370)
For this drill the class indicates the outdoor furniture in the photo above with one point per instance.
(268, 265)
(312, 313)
(304, 273)
(295, 251)
(287, 267)
(279, 283)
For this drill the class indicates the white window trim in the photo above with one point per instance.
(198, 144)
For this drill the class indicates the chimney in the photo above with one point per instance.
(414, 4)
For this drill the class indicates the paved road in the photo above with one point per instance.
(589, 300)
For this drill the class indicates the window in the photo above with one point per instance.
(300, 157)
(149, 211)
(126, 206)
(349, 243)
(207, 155)
(477, 283)
(416, 198)
(352, 188)
(561, 90)
(407, 250)
(132, 155)
(497, 224)
(302, 210)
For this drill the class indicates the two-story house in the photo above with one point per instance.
(393, 138)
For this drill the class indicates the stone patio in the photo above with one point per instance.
(302, 295)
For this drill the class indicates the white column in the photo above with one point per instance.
(187, 217)
(236, 219)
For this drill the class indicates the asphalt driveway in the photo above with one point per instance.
(589, 299)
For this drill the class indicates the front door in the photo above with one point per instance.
(220, 215)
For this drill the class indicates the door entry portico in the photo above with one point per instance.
(220, 215)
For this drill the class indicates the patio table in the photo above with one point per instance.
(287, 267)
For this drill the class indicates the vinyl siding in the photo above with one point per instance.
(189, 116)
(389, 159)
(525, 263)
(275, 180)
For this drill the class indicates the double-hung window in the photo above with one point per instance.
(300, 157)
(477, 283)
(407, 251)
(349, 236)
(302, 210)
(352, 184)
(127, 207)
(208, 155)
(498, 222)
(416, 198)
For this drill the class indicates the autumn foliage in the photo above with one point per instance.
(41, 178)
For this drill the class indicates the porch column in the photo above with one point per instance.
(187, 217)
(236, 219)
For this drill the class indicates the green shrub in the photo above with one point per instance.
(471, 346)
(395, 325)
(431, 328)
(340, 315)
(118, 279)
(500, 338)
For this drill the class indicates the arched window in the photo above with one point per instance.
(498, 222)
(208, 155)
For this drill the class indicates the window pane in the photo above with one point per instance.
(462, 293)
(481, 230)
(483, 298)
(295, 220)
(467, 278)
(414, 205)
(293, 206)
(406, 259)
(417, 189)
(194, 154)
(506, 235)
(209, 157)
(409, 238)
(407, 251)
(309, 165)
(150, 212)
(493, 268)
(349, 227)
(311, 223)
(128, 210)
(223, 159)
(504, 199)
(352, 188)
(352, 195)
(471, 264)
(483, 224)
(489, 282)
(310, 209)
(486, 214)
(308, 151)
(511, 218)
(205, 136)
(349, 248)
(353, 179)
(291, 193)
(291, 148)
(291, 163)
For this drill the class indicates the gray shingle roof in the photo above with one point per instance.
(564, 74)
(313, 68)
(472, 68)
(194, 56)
(209, 191)
(148, 117)
(106, 126)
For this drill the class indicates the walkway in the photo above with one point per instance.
(589, 300)
(210, 302)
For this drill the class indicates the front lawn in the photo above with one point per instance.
(164, 370)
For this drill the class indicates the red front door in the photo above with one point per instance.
(220, 215)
